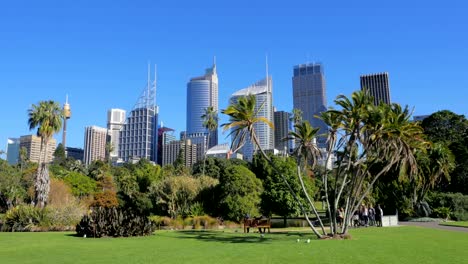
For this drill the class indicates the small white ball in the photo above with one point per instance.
(308, 240)
(84, 236)
(298, 240)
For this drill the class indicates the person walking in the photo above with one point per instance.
(365, 215)
(378, 215)
(371, 215)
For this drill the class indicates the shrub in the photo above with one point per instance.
(113, 222)
(23, 218)
(457, 202)
(60, 193)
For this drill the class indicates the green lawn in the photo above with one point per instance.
(459, 224)
(369, 245)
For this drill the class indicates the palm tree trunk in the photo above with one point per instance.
(42, 183)
(309, 200)
(206, 150)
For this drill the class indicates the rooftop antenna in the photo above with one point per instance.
(214, 60)
(266, 69)
(148, 85)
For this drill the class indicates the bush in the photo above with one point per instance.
(81, 185)
(112, 222)
(23, 218)
(457, 202)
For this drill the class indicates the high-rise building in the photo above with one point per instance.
(200, 139)
(76, 153)
(263, 92)
(202, 92)
(172, 149)
(165, 136)
(139, 135)
(115, 122)
(281, 130)
(32, 144)
(94, 144)
(377, 86)
(309, 96)
(66, 116)
(13, 148)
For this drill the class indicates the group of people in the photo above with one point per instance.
(364, 216)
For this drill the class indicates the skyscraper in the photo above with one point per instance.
(263, 92)
(94, 144)
(13, 148)
(281, 130)
(202, 92)
(139, 135)
(309, 95)
(32, 144)
(115, 122)
(377, 86)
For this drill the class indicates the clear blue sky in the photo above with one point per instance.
(97, 52)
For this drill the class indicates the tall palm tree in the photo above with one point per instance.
(242, 119)
(47, 117)
(210, 122)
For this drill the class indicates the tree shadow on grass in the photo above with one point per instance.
(227, 237)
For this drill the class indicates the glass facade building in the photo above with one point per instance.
(377, 86)
(202, 92)
(263, 92)
(309, 96)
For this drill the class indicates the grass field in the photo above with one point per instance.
(368, 245)
(459, 224)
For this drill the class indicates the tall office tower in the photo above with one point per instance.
(281, 130)
(66, 116)
(115, 122)
(378, 87)
(172, 149)
(309, 96)
(202, 92)
(32, 144)
(139, 135)
(76, 153)
(165, 136)
(13, 148)
(263, 92)
(94, 144)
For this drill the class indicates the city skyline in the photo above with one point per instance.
(101, 62)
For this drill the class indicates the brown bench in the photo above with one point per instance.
(257, 223)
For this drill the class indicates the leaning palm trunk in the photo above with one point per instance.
(311, 203)
(306, 216)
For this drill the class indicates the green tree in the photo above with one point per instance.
(47, 117)
(451, 130)
(59, 155)
(239, 193)
(276, 197)
(210, 122)
(12, 187)
(81, 185)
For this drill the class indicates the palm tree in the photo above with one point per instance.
(296, 116)
(242, 119)
(306, 152)
(47, 117)
(210, 121)
(109, 149)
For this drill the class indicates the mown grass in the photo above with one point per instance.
(459, 224)
(368, 245)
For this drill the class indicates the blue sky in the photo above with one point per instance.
(97, 53)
